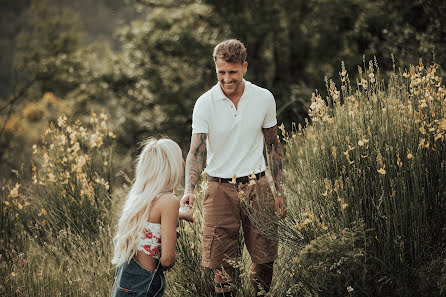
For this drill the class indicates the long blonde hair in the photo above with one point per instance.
(159, 168)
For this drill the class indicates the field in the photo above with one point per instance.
(365, 185)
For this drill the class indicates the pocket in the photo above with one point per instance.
(132, 279)
(119, 291)
(207, 191)
(207, 239)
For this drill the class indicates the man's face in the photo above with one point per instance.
(230, 76)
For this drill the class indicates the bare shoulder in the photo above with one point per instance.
(168, 200)
(166, 203)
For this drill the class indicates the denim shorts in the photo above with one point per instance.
(133, 280)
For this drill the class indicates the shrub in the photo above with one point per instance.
(373, 154)
(72, 175)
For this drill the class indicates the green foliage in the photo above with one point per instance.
(333, 264)
(44, 47)
(373, 155)
(166, 64)
(72, 175)
(84, 271)
(12, 235)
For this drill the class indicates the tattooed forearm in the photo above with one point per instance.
(274, 155)
(195, 160)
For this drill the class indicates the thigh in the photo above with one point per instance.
(221, 224)
(262, 249)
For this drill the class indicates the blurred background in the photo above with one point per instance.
(82, 83)
(146, 62)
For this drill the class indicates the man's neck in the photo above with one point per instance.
(235, 98)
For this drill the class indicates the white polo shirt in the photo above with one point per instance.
(235, 137)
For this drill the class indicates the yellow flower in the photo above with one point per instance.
(15, 191)
(62, 120)
(233, 179)
(13, 274)
(382, 171)
(282, 128)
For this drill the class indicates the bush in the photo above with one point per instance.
(374, 154)
(72, 177)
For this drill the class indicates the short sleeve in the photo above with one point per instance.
(270, 115)
(200, 123)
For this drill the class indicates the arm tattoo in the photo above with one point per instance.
(274, 155)
(195, 160)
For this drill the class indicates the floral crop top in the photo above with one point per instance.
(150, 240)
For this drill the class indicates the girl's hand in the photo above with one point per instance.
(186, 213)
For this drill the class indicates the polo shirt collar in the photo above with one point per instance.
(217, 92)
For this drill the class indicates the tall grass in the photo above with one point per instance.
(72, 177)
(365, 189)
(369, 170)
(188, 277)
(55, 233)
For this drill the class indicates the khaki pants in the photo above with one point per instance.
(223, 215)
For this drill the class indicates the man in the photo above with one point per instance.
(230, 123)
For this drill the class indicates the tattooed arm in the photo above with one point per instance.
(194, 166)
(274, 156)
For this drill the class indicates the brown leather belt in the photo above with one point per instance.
(238, 180)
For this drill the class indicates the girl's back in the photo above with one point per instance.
(159, 236)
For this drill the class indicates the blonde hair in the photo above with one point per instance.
(159, 168)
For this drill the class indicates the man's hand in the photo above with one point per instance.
(279, 206)
(188, 199)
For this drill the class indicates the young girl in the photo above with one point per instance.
(145, 242)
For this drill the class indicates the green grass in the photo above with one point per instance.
(365, 190)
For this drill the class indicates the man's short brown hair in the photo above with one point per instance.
(230, 51)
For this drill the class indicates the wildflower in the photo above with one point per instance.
(382, 171)
(34, 149)
(282, 128)
(63, 140)
(363, 141)
(350, 289)
(409, 155)
(324, 227)
(51, 178)
(13, 274)
(233, 179)
(61, 121)
(15, 191)
(333, 151)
